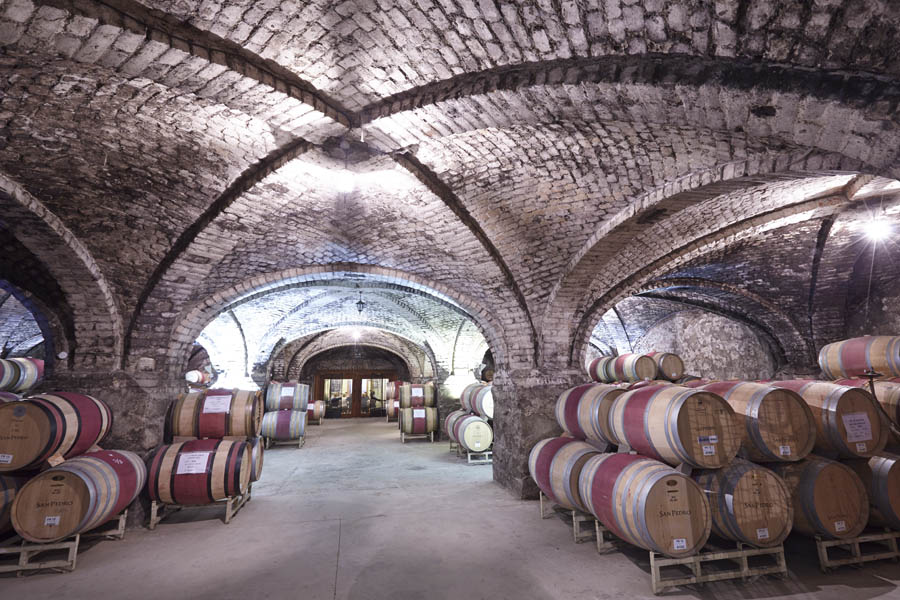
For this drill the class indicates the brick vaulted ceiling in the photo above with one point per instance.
(532, 163)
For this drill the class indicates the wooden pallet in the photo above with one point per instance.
(403, 436)
(575, 518)
(885, 547)
(271, 443)
(34, 557)
(160, 510)
(480, 458)
(454, 447)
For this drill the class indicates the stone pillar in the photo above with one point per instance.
(524, 402)
(138, 402)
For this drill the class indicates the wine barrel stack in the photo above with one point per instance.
(415, 407)
(55, 480)
(392, 400)
(211, 416)
(19, 375)
(287, 411)
(471, 427)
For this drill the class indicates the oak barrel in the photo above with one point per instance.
(9, 485)
(539, 460)
(829, 499)
(777, 424)
(199, 471)
(583, 411)
(632, 367)
(676, 425)
(479, 399)
(8, 397)
(848, 422)
(881, 477)
(887, 393)
(392, 399)
(284, 425)
(473, 433)
(77, 495)
(418, 420)
(9, 375)
(287, 396)
(315, 410)
(64, 423)
(257, 454)
(31, 371)
(414, 395)
(748, 503)
(450, 422)
(215, 413)
(648, 382)
(565, 469)
(668, 365)
(597, 369)
(646, 503)
(853, 357)
(197, 377)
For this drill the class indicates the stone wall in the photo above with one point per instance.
(711, 346)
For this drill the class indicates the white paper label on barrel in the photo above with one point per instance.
(217, 404)
(840, 526)
(418, 392)
(860, 447)
(708, 439)
(51, 521)
(5, 459)
(287, 392)
(784, 450)
(192, 463)
(762, 534)
(478, 444)
(418, 413)
(396, 404)
(858, 427)
(680, 543)
(708, 450)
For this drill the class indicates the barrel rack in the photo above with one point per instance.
(474, 458)
(766, 561)
(34, 556)
(429, 435)
(232, 504)
(859, 550)
(270, 443)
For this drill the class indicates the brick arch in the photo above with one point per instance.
(414, 369)
(706, 237)
(192, 319)
(97, 335)
(53, 333)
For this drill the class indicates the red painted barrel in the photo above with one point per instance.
(199, 471)
(284, 425)
(853, 357)
(31, 371)
(450, 422)
(597, 369)
(540, 459)
(33, 430)
(287, 396)
(9, 375)
(632, 367)
(583, 411)
(78, 495)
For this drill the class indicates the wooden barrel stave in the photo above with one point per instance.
(540, 459)
(64, 423)
(669, 366)
(287, 396)
(284, 425)
(565, 469)
(833, 406)
(777, 424)
(257, 454)
(597, 369)
(418, 420)
(853, 357)
(9, 375)
(450, 422)
(215, 413)
(77, 495)
(646, 503)
(881, 477)
(315, 410)
(748, 503)
(583, 411)
(631, 367)
(9, 486)
(179, 474)
(829, 499)
(31, 371)
(676, 425)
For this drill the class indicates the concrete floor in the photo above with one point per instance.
(356, 515)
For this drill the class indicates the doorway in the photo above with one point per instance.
(352, 394)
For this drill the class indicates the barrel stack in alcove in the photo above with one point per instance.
(418, 414)
(287, 411)
(471, 426)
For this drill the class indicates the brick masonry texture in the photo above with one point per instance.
(544, 180)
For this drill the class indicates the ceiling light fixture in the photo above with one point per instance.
(360, 304)
(877, 230)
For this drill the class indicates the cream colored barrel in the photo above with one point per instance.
(828, 498)
(31, 371)
(778, 425)
(583, 411)
(646, 503)
(413, 395)
(668, 365)
(748, 503)
(215, 413)
(848, 422)
(887, 393)
(676, 425)
(853, 357)
(565, 469)
(478, 398)
(473, 433)
(881, 477)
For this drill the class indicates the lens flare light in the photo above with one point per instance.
(877, 230)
